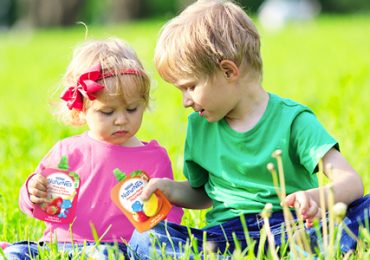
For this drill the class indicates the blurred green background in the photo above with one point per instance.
(46, 13)
(323, 63)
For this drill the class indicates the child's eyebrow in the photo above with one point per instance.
(132, 104)
(104, 107)
(184, 83)
(135, 101)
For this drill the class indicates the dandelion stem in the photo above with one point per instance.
(323, 208)
(288, 219)
(331, 215)
(266, 214)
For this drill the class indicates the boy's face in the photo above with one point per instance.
(214, 98)
(111, 119)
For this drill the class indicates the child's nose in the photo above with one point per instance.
(187, 101)
(120, 119)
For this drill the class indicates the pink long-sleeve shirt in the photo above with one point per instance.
(95, 161)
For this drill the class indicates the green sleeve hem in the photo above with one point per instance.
(319, 154)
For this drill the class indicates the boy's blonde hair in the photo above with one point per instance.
(113, 55)
(193, 44)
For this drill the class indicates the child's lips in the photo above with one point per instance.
(120, 132)
(201, 112)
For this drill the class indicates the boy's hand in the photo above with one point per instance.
(37, 188)
(154, 184)
(305, 205)
(179, 193)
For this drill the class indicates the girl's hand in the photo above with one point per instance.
(305, 206)
(37, 188)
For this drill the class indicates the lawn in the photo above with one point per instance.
(323, 64)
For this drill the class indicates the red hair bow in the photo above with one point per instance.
(87, 86)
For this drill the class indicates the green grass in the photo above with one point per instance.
(323, 64)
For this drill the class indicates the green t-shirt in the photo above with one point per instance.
(232, 165)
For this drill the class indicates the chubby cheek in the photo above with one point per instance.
(100, 132)
(98, 125)
(137, 123)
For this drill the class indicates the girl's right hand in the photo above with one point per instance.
(37, 188)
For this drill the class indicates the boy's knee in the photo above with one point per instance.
(359, 210)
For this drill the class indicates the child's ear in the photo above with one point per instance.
(230, 69)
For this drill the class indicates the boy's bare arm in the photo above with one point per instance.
(180, 193)
(346, 184)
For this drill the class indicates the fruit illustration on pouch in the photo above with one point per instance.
(53, 207)
(56, 202)
(140, 216)
(150, 206)
(52, 210)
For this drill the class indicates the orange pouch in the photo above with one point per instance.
(126, 196)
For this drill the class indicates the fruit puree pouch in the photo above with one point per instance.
(62, 188)
(126, 195)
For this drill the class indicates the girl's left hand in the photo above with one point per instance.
(305, 206)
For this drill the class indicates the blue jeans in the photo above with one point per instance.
(171, 238)
(25, 250)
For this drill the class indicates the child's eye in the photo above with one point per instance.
(191, 88)
(131, 110)
(107, 113)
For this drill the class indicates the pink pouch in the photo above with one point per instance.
(63, 187)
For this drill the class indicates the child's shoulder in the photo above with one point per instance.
(74, 139)
(79, 142)
(285, 101)
(286, 105)
(155, 145)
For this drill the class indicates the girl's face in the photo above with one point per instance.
(112, 120)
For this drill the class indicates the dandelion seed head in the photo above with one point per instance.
(270, 167)
(210, 246)
(267, 210)
(277, 153)
(339, 210)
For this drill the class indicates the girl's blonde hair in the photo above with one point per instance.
(113, 55)
(193, 44)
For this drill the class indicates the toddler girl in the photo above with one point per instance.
(107, 89)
